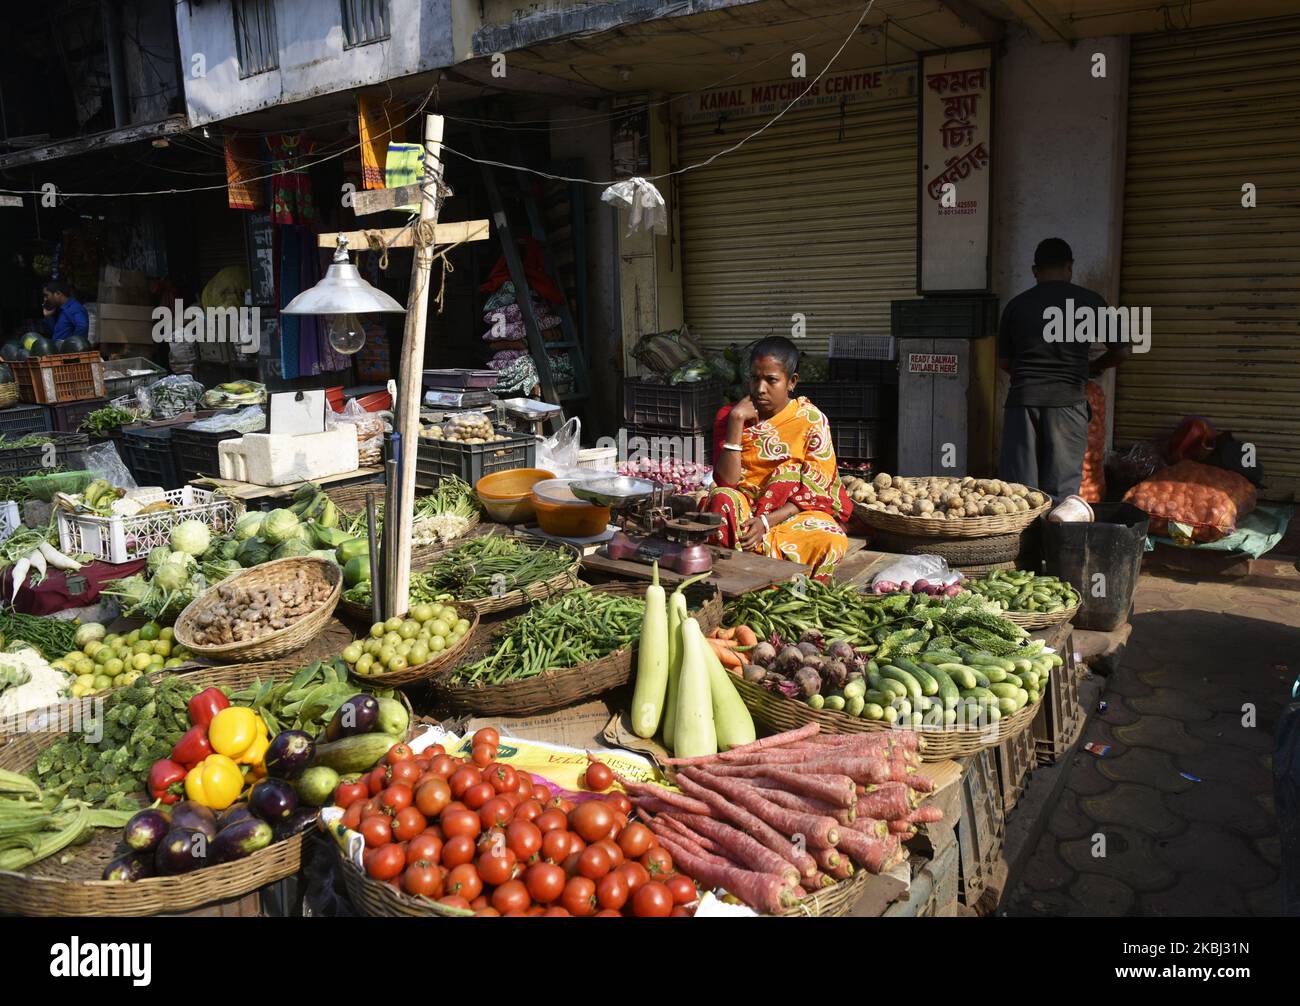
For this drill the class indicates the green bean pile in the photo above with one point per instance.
(52, 636)
(837, 610)
(579, 627)
(1022, 591)
(492, 565)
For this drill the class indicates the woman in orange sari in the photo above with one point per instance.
(778, 490)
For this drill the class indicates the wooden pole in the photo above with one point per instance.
(397, 526)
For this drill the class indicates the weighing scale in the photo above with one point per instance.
(648, 530)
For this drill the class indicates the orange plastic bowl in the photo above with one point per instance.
(511, 485)
(571, 520)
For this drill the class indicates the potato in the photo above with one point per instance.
(956, 514)
(967, 482)
(883, 481)
(891, 509)
(888, 496)
(972, 509)
(1036, 499)
(921, 507)
(1020, 504)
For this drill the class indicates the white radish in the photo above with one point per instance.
(20, 574)
(38, 563)
(56, 558)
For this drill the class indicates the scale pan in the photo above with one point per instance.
(613, 492)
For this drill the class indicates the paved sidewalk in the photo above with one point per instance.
(1171, 845)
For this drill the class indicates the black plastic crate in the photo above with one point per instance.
(23, 419)
(850, 399)
(196, 451)
(691, 405)
(863, 440)
(657, 444)
(868, 371)
(943, 317)
(147, 451)
(66, 417)
(436, 460)
(69, 454)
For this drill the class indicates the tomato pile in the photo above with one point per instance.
(476, 834)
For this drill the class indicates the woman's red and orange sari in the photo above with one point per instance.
(788, 459)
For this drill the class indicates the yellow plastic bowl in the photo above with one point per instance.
(513, 484)
(577, 520)
(512, 511)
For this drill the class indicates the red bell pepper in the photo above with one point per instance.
(206, 705)
(167, 780)
(193, 747)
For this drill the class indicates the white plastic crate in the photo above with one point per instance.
(10, 519)
(121, 539)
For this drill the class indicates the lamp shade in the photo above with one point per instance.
(342, 291)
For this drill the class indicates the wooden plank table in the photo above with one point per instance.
(250, 492)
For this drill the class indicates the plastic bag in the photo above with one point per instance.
(559, 452)
(647, 211)
(1093, 486)
(911, 568)
(171, 396)
(248, 420)
(1139, 462)
(369, 427)
(1191, 502)
(103, 461)
(661, 353)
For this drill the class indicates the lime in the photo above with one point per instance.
(462, 626)
(364, 663)
(168, 633)
(163, 648)
(437, 611)
(92, 648)
(110, 639)
(133, 636)
(140, 661)
(113, 666)
(387, 655)
(103, 656)
(78, 690)
(392, 638)
(409, 629)
(130, 677)
(393, 624)
(85, 679)
(103, 681)
(150, 631)
(85, 666)
(142, 646)
(174, 662)
(404, 647)
(352, 653)
(372, 646)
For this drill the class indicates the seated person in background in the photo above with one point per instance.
(777, 487)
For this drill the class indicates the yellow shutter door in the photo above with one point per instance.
(815, 216)
(1210, 112)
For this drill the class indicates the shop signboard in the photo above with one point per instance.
(770, 97)
(955, 171)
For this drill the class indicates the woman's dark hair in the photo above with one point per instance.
(57, 286)
(780, 349)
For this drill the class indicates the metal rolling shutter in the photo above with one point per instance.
(1208, 112)
(817, 215)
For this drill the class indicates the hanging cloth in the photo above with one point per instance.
(404, 166)
(291, 201)
(534, 271)
(378, 123)
(244, 162)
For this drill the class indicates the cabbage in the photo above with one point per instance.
(216, 570)
(293, 547)
(248, 525)
(254, 552)
(157, 556)
(324, 553)
(171, 576)
(279, 526)
(132, 590)
(191, 537)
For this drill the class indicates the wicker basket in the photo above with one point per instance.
(964, 527)
(352, 499)
(569, 685)
(279, 642)
(414, 675)
(8, 394)
(831, 902)
(1040, 619)
(778, 713)
(960, 552)
(379, 900)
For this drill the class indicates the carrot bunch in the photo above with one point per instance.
(730, 643)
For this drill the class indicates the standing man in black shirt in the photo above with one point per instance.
(1045, 422)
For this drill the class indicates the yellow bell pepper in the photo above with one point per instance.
(240, 734)
(215, 782)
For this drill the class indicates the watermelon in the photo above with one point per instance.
(41, 347)
(10, 350)
(6, 375)
(29, 338)
(74, 344)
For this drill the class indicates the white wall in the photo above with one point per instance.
(313, 60)
(1060, 163)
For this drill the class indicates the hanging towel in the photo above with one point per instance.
(404, 166)
(378, 123)
(244, 162)
(291, 201)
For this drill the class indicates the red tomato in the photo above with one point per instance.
(377, 831)
(524, 785)
(465, 881)
(657, 862)
(460, 822)
(513, 798)
(496, 866)
(433, 750)
(432, 796)
(489, 911)
(612, 891)
(352, 816)
(492, 840)
(545, 882)
(512, 896)
(496, 813)
(541, 794)
(423, 762)
(396, 797)
(528, 810)
(594, 862)
(487, 735)
(502, 778)
(608, 913)
(576, 844)
(682, 889)
(634, 872)
(480, 902)
(457, 850)
(372, 808)
(635, 840)
(349, 793)
(570, 864)
(536, 912)
(619, 801)
(408, 823)
(462, 779)
(377, 779)
(442, 765)
(483, 755)
(525, 840)
(422, 878)
(427, 847)
(556, 912)
(562, 803)
(398, 752)
(404, 771)
(592, 820)
(652, 901)
(599, 776)
(476, 796)
(551, 820)
(386, 862)
(555, 845)
(681, 912)
(579, 897)
(612, 849)
(455, 901)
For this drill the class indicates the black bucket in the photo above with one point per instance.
(1112, 546)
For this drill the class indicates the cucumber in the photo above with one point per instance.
(1004, 690)
(874, 711)
(1033, 697)
(947, 689)
(816, 701)
(929, 686)
(835, 702)
(854, 705)
(949, 717)
(1007, 706)
(888, 685)
(981, 679)
(879, 698)
(357, 753)
(872, 668)
(1022, 698)
(994, 674)
(933, 717)
(1022, 665)
(981, 694)
(962, 675)
(918, 719)
(889, 671)
(855, 689)
(1014, 679)
(889, 714)
(904, 708)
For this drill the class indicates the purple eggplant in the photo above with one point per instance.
(356, 716)
(273, 800)
(239, 840)
(290, 753)
(181, 850)
(233, 814)
(196, 817)
(134, 866)
(144, 831)
(300, 820)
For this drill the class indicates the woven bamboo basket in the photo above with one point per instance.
(778, 713)
(831, 902)
(273, 644)
(8, 394)
(959, 552)
(980, 570)
(569, 685)
(352, 500)
(413, 675)
(1040, 619)
(379, 900)
(964, 527)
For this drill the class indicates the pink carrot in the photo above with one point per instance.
(869, 853)
(750, 822)
(890, 801)
(902, 827)
(803, 804)
(871, 827)
(818, 829)
(765, 892)
(827, 859)
(707, 844)
(763, 743)
(903, 738)
(736, 845)
(661, 828)
(926, 815)
(918, 782)
(831, 787)
(643, 790)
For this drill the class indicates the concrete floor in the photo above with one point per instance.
(1177, 818)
